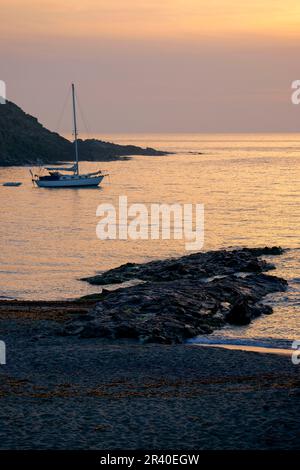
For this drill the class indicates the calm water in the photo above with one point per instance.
(249, 185)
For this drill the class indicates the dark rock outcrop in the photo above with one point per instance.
(243, 311)
(180, 299)
(24, 141)
(92, 149)
(196, 265)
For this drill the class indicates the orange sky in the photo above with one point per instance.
(148, 18)
(155, 65)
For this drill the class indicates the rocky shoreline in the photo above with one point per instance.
(179, 298)
(103, 393)
(24, 141)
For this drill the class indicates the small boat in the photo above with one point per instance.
(56, 179)
(11, 183)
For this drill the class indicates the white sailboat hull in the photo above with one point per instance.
(74, 181)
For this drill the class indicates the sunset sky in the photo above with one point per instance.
(155, 66)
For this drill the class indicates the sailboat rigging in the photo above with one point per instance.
(56, 179)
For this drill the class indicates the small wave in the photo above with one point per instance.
(272, 343)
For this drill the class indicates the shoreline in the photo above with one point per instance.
(111, 393)
(51, 310)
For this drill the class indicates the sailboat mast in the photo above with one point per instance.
(75, 128)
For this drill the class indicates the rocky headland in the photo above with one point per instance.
(181, 298)
(24, 141)
(105, 393)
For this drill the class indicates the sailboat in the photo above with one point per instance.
(56, 179)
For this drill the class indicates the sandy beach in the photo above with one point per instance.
(70, 393)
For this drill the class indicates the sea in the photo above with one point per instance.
(249, 185)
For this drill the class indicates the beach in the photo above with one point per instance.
(76, 378)
(69, 393)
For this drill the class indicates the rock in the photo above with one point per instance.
(177, 302)
(266, 251)
(243, 312)
(266, 309)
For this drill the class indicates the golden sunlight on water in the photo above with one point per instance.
(249, 185)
